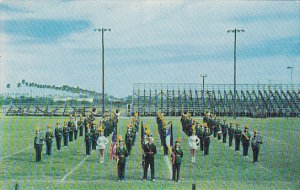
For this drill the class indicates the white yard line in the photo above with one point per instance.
(169, 165)
(256, 163)
(77, 166)
(15, 153)
(274, 140)
(249, 158)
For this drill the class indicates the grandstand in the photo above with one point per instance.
(252, 100)
(54, 107)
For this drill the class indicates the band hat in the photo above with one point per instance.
(100, 128)
(193, 127)
(148, 132)
(120, 138)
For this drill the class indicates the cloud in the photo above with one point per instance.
(150, 41)
(7, 8)
(44, 30)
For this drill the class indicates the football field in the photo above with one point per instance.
(224, 168)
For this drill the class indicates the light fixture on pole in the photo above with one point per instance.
(102, 30)
(291, 68)
(203, 77)
(234, 98)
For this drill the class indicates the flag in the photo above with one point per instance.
(142, 133)
(142, 143)
(113, 145)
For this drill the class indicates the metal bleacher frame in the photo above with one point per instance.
(253, 100)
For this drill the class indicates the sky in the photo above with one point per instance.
(167, 41)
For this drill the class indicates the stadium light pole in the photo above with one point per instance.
(203, 78)
(291, 68)
(234, 80)
(102, 30)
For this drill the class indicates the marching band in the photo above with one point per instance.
(96, 134)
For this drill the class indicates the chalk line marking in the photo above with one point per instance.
(77, 166)
(14, 153)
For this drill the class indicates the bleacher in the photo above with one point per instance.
(259, 100)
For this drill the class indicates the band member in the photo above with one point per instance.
(75, 128)
(206, 141)
(230, 133)
(246, 140)
(164, 130)
(255, 145)
(86, 121)
(94, 136)
(129, 139)
(199, 132)
(149, 151)
(58, 135)
(88, 141)
(137, 122)
(177, 155)
(65, 134)
(237, 137)
(38, 145)
(49, 140)
(101, 144)
(193, 144)
(133, 131)
(224, 130)
(71, 128)
(215, 126)
(218, 125)
(122, 153)
(80, 125)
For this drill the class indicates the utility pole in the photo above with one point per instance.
(203, 78)
(103, 100)
(234, 80)
(291, 68)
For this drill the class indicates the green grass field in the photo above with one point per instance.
(278, 167)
